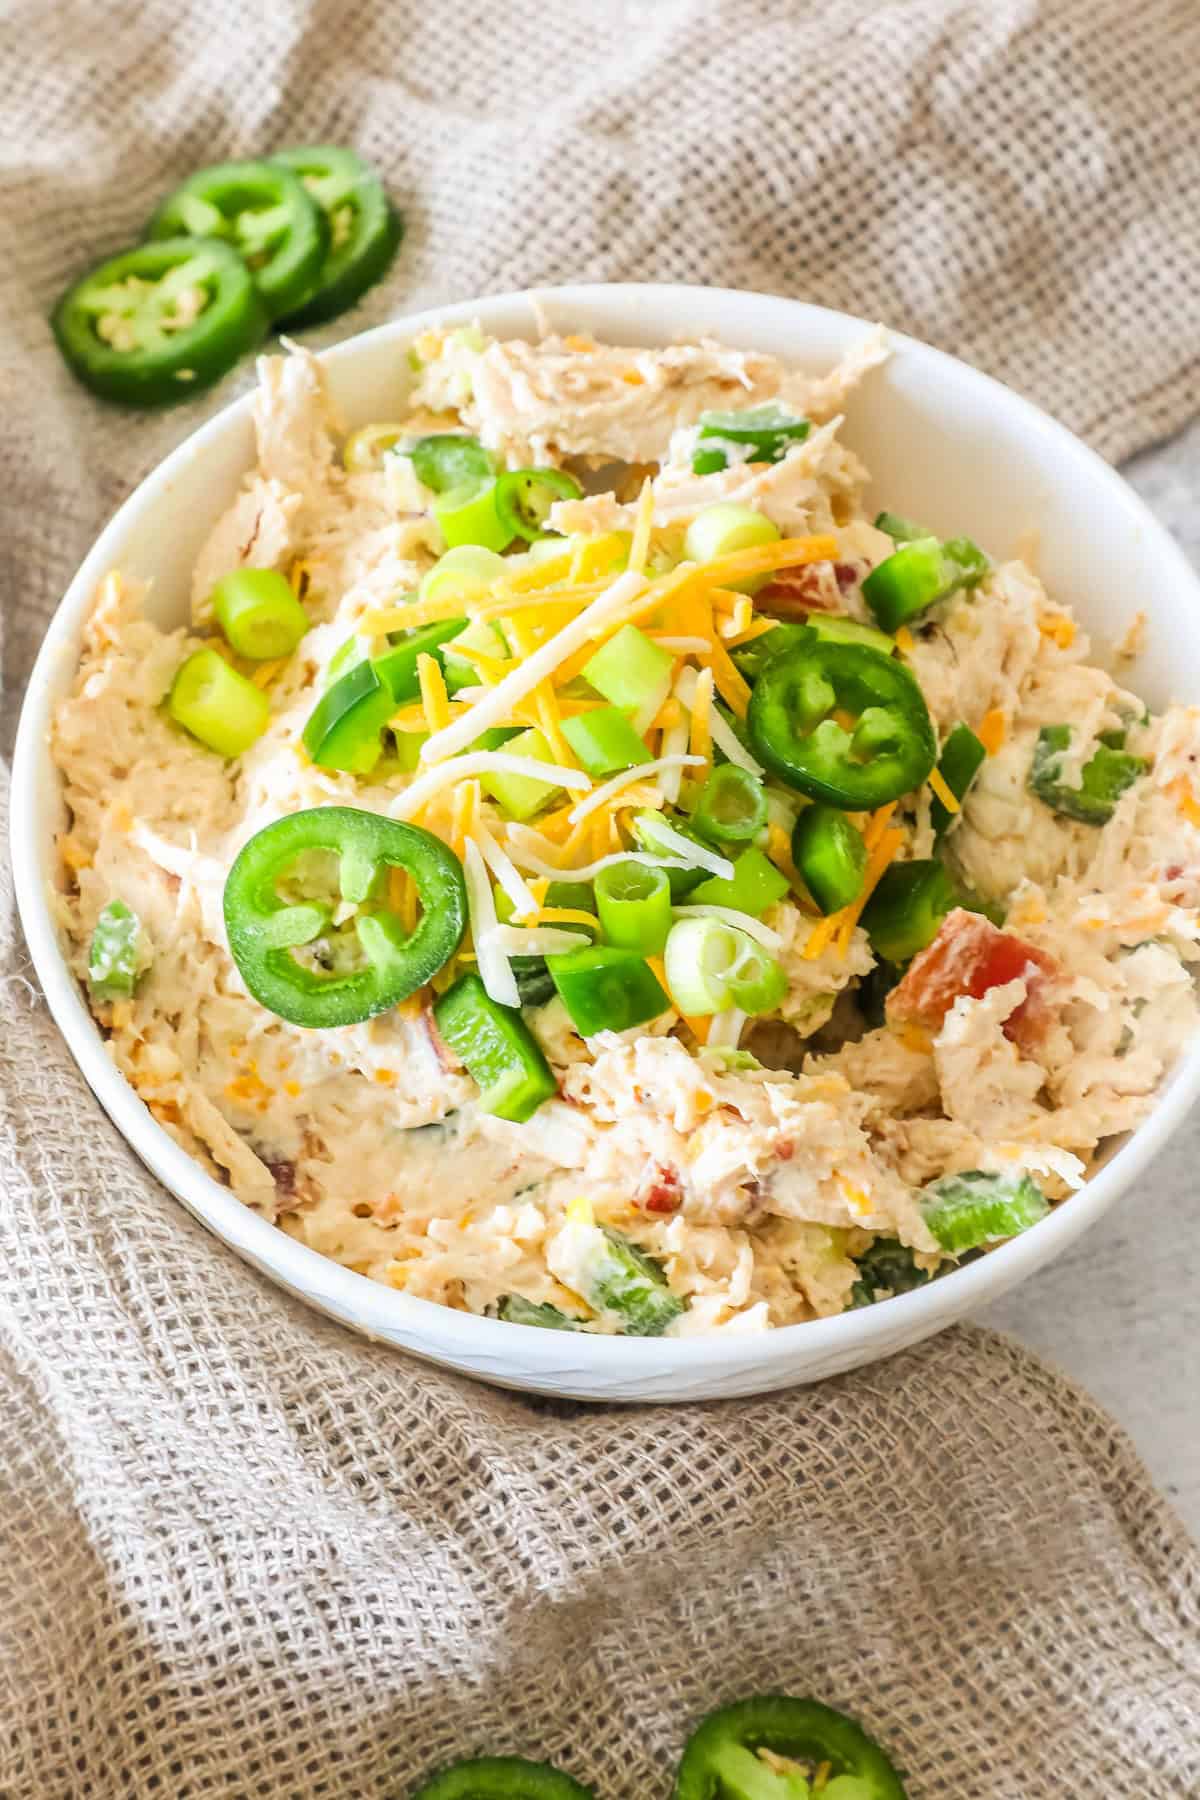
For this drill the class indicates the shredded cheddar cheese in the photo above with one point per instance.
(993, 729)
(266, 672)
(904, 640)
(1058, 628)
(947, 797)
(701, 728)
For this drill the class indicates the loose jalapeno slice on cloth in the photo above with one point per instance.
(524, 498)
(502, 1778)
(832, 1756)
(159, 322)
(842, 723)
(368, 964)
(265, 212)
(364, 228)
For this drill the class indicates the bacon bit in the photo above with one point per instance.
(968, 957)
(993, 729)
(784, 1150)
(283, 1174)
(665, 1194)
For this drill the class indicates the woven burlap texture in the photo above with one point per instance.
(242, 1553)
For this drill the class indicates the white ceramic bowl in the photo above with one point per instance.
(945, 445)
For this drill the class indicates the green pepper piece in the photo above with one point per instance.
(647, 831)
(889, 749)
(899, 529)
(979, 1206)
(756, 885)
(785, 634)
(259, 614)
(514, 1309)
(364, 228)
(961, 760)
(732, 807)
(721, 1761)
(117, 954)
(830, 855)
(535, 984)
(366, 966)
(264, 210)
(838, 630)
(604, 741)
(520, 796)
(762, 434)
(344, 729)
(920, 573)
(907, 908)
(449, 460)
(887, 1267)
(500, 1052)
(621, 1280)
(502, 1778)
(397, 667)
(605, 988)
(1104, 777)
(160, 322)
(524, 498)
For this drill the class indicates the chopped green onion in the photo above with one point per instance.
(1103, 778)
(732, 808)
(712, 966)
(763, 434)
(409, 745)
(466, 573)
(397, 667)
(516, 1310)
(524, 498)
(654, 833)
(468, 516)
(977, 1207)
(901, 531)
(755, 885)
(962, 757)
(634, 903)
(830, 855)
(481, 635)
(449, 460)
(344, 729)
(605, 988)
(217, 705)
(365, 450)
(604, 741)
(907, 908)
(259, 614)
(116, 955)
(632, 672)
(520, 796)
(719, 530)
(624, 1282)
(500, 1052)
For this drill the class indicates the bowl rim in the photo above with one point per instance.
(424, 1327)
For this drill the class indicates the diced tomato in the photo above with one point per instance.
(969, 956)
(817, 587)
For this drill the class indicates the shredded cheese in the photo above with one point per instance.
(993, 729)
(266, 672)
(480, 762)
(495, 970)
(701, 711)
(881, 856)
(496, 704)
(639, 550)
(944, 793)
(904, 640)
(730, 684)
(434, 700)
(640, 772)
(524, 900)
(1058, 628)
(726, 1029)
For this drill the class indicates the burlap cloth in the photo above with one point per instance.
(242, 1553)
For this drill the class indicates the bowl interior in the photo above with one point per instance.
(944, 444)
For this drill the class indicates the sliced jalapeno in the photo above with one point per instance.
(449, 460)
(159, 322)
(367, 964)
(266, 213)
(502, 1778)
(825, 1752)
(364, 228)
(842, 723)
(524, 498)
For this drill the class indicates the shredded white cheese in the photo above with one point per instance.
(629, 778)
(495, 970)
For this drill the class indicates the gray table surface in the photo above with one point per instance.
(1121, 1311)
